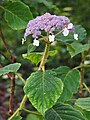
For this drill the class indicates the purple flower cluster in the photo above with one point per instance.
(46, 22)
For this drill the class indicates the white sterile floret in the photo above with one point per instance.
(76, 36)
(65, 32)
(70, 26)
(51, 38)
(36, 42)
(23, 40)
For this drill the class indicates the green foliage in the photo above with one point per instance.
(83, 103)
(17, 14)
(71, 85)
(31, 48)
(61, 71)
(62, 111)
(81, 32)
(86, 114)
(43, 90)
(10, 68)
(35, 57)
(34, 117)
(78, 30)
(76, 48)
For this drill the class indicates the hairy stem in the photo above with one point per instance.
(82, 74)
(11, 107)
(20, 108)
(44, 57)
(19, 76)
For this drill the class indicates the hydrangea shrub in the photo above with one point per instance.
(50, 91)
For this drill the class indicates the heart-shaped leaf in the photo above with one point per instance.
(43, 90)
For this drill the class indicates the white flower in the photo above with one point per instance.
(76, 36)
(70, 26)
(65, 32)
(36, 42)
(51, 38)
(23, 40)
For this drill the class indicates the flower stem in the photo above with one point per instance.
(44, 57)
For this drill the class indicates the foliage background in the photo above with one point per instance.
(77, 10)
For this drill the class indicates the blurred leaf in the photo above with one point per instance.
(76, 48)
(83, 103)
(10, 68)
(81, 32)
(86, 114)
(71, 85)
(61, 71)
(35, 57)
(34, 117)
(78, 30)
(43, 89)
(62, 111)
(17, 14)
(31, 48)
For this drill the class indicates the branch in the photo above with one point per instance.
(12, 77)
(6, 46)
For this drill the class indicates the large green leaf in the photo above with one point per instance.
(71, 85)
(83, 103)
(17, 14)
(62, 111)
(76, 48)
(43, 90)
(34, 117)
(10, 68)
(35, 57)
(78, 30)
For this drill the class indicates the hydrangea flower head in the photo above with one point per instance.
(48, 23)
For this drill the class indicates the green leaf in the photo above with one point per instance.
(81, 32)
(76, 48)
(71, 85)
(78, 30)
(61, 71)
(63, 38)
(62, 111)
(43, 90)
(31, 48)
(86, 114)
(35, 57)
(17, 14)
(83, 103)
(10, 68)
(34, 117)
